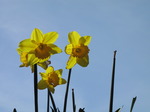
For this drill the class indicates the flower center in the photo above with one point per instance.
(42, 51)
(80, 51)
(53, 79)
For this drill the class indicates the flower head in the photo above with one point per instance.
(77, 49)
(38, 48)
(50, 79)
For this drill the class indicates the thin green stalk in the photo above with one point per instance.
(35, 88)
(73, 101)
(67, 88)
(132, 104)
(112, 83)
(47, 100)
(53, 102)
(14, 110)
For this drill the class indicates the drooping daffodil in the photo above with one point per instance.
(77, 49)
(50, 79)
(38, 48)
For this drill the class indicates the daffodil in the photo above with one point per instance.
(38, 48)
(50, 79)
(77, 49)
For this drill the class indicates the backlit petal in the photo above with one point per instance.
(54, 49)
(73, 38)
(49, 69)
(68, 49)
(62, 81)
(26, 45)
(71, 62)
(51, 88)
(59, 72)
(32, 59)
(50, 37)
(37, 35)
(42, 84)
(83, 61)
(85, 40)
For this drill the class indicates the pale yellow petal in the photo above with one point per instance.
(68, 49)
(44, 76)
(37, 35)
(54, 49)
(73, 38)
(83, 61)
(62, 81)
(32, 59)
(50, 37)
(49, 69)
(42, 84)
(85, 40)
(71, 62)
(26, 45)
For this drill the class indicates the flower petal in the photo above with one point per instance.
(85, 40)
(50, 37)
(83, 61)
(54, 49)
(37, 35)
(68, 49)
(26, 45)
(73, 38)
(32, 59)
(49, 70)
(59, 72)
(42, 84)
(62, 81)
(51, 88)
(71, 62)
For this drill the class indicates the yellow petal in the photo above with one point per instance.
(44, 76)
(49, 69)
(37, 35)
(68, 49)
(44, 64)
(54, 49)
(73, 38)
(83, 61)
(51, 88)
(26, 45)
(50, 37)
(85, 40)
(42, 84)
(32, 59)
(62, 81)
(59, 72)
(71, 62)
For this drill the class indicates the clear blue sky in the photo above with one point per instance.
(122, 25)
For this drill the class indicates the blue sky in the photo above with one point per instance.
(121, 25)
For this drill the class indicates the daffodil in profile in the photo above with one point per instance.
(77, 49)
(38, 48)
(50, 79)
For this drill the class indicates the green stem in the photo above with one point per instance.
(73, 101)
(47, 100)
(53, 102)
(67, 88)
(35, 88)
(112, 84)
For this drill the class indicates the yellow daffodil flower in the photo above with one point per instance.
(77, 49)
(38, 48)
(50, 79)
